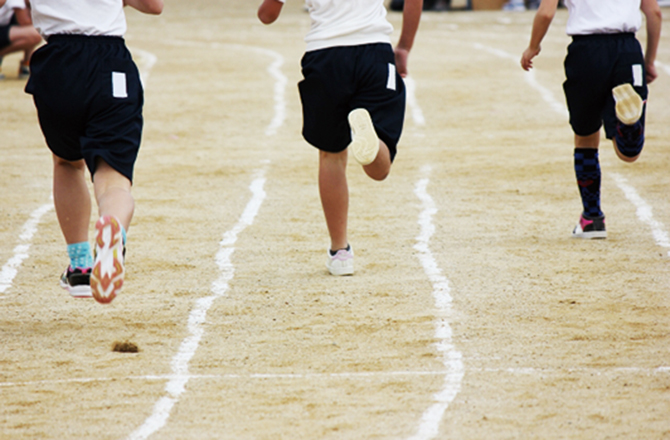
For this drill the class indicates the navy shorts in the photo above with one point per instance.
(594, 65)
(89, 99)
(340, 79)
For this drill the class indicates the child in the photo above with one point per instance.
(353, 99)
(17, 33)
(89, 98)
(607, 76)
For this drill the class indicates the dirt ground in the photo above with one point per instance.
(479, 319)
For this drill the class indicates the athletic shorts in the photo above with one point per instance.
(4, 33)
(89, 99)
(340, 79)
(594, 65)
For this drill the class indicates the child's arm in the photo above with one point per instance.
(543, 18)
(269, 10)
(2, 3)
(23, 17)
(411, 16)
(652, 12)
(147, 6)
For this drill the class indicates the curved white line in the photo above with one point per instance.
(176, 386)
(664, 66)
(644, 211)
(11, 268)
(275, 71)
(145, 64)
(412, 103)
(546, 94)
(452, 358)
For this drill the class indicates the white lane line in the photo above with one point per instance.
(11, 268)
(529, 76)
(177, 384)
(643, 208)
(664, 66)
(274, 69)
(382, 375)
(412, 103)
(452, 358)
(145, 63)
(643, 211)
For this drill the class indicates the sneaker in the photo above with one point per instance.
(365, 143)
(629, 104)
(341, 262)
(108, 270)
(77, 281)
(590, 228)
(24, 71)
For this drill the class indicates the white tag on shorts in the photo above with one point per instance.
(390, 83)
(119, 89)
(637, 75)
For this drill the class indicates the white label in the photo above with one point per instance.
(390, 84)
(637, 75)
(119, 89)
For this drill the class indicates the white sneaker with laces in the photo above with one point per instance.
(341, 263)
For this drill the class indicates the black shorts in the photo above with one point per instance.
(89, 99)
(340, 79)
(595, 64)
(4, 33)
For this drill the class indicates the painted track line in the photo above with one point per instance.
(11, 268)
(198, 316)
(351, 376)
(452, 358)
(644, 211)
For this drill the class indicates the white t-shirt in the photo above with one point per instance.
(346, 23)
(82, 17)
(7, 10)
(587, 17)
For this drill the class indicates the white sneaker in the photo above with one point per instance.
(108, 270)
(365, 143)
(342, 263)
(629, 104)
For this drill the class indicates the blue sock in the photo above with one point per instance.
(587, 170)
(630, 138)
(123, 234)
(80, 255)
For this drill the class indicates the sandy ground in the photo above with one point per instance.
(480, 319)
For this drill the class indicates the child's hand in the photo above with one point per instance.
(527, 58)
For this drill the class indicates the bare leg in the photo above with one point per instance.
(334, 196)
(380, 168)
(112, 191)
(71, 199)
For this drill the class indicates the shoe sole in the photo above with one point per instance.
(77, 291)
(591, 235)
(629, 104)
(108, 271)
(365, 143)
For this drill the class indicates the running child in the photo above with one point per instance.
(607, 75)
(353, 99)
(89, 99)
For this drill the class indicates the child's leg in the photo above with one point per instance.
(588, 174)
(380, 168)
(71, 199)
(112, 191)
(116, 206)
(334, 196)
(629, 134)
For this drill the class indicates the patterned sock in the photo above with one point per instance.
(80, 255)
(587, 170)
(630, 138)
